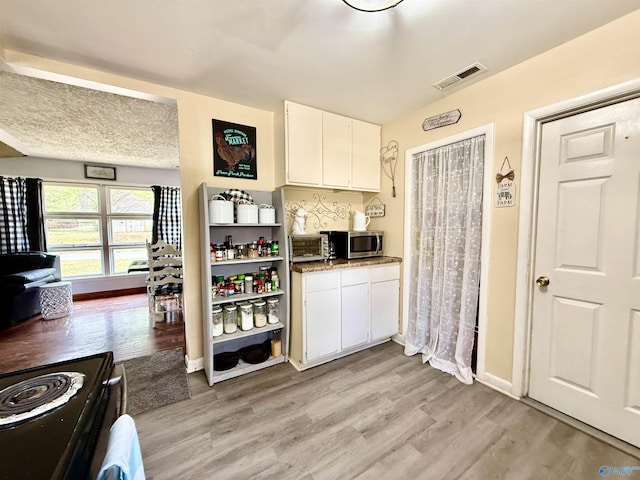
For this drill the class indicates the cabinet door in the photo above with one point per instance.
(322, 322)
(304, 144)
(336, 150)
(355, 315)
(365, 157)
(385, 301)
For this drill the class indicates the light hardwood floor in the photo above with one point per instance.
(373, 415)
(117, 324)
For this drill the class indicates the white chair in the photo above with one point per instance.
(164, 286)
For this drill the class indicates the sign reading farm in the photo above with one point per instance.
(234, 150)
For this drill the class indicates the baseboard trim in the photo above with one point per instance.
(399, 338)
(194, 365)
(498, 384)
(108, 293)
(614, 442)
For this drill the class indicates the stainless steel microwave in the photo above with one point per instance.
(354, 244)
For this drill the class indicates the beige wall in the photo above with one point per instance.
(196, 163)
(602, 58)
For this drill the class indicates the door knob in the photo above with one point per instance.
(542, 281)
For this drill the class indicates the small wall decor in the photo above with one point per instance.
(318, 211)
(506, 189)
(442, 120)
(374, 209)
(100, 172)
(234, 150)
(389, 160)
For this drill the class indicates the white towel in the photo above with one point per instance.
(123, 451)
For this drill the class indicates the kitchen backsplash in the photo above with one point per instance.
(326, 209)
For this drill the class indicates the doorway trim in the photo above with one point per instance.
(488, 132)
(532, 124)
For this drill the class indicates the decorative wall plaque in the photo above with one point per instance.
(442, 120)
(234, 150)
(506, 189)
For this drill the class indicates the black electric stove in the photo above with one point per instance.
(55, 418)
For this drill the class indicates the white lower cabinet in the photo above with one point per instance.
(338, 312)
(322, 312)
(385, 301)
(355, 302)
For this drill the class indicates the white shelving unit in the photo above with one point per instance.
(242, 233)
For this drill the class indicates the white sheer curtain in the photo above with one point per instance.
(446, 232)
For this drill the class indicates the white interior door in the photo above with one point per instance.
(585, 344)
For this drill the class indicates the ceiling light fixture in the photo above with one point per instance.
(372, 5)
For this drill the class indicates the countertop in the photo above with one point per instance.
(308, 267)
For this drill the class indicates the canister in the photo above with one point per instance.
(273, 310)
(266, 213)
(246, 316)
(220, 210)
(260, 313)
(247, 212)
(230, 318)
(217, 321)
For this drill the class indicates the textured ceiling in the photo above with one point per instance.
(55, 120)
(371, 66)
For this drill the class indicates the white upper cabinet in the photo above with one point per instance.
(365, 157)
(326, 150)
(336, 150)
(303, 144)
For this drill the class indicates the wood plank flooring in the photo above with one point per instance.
(373, 415)
(117, 324)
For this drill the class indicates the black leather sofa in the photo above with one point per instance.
(21, 275)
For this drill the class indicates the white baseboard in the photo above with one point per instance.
(399, 338)
(194, 365)
(497, 383)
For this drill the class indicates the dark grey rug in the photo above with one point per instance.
(156, 380)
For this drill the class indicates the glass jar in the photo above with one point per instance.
(241, 251)
(273, 310)
(246, 316)
(275, 248)
(230, 318)
(253, 250)
(260, 313)
(238, 286)
(217, 322)
(231, 253)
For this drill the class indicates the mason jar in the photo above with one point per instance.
(273, 310)
(260, 313)
(217, 322)
(246, 316)
(230, 314)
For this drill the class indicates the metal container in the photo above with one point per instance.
(220, 210)
(266, 213)
(247, 212)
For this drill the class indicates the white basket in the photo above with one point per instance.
(220, 210)
(56, 300)
(266, 213)
(247, 212)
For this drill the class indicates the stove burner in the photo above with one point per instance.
(36, 396)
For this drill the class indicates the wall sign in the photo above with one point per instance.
(506, 189)
(442, 120)
(234, 150)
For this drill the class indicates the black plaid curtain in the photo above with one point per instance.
(166, 215)
(21, 215)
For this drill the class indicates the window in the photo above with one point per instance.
(97, 230)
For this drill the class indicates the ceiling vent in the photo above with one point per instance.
(459, 76)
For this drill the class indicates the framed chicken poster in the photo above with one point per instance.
(234, 150)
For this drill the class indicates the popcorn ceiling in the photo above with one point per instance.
(55, 120)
